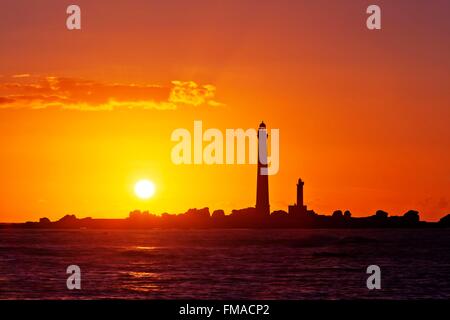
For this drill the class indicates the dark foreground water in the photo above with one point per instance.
(225, 264)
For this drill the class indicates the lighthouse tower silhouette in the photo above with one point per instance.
(262, 182)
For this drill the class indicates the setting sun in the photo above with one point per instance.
(144, 189)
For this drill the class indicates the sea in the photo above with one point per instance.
(225, 264)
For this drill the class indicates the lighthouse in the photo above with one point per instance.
(262, 181)
(299, 208)
(300, 185)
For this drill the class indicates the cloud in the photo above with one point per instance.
(190, 93)
(23, 75)
(31, 92)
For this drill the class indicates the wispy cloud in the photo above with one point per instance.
(189, 92)
(22, 75)
(25, 91)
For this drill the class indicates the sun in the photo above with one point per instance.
(144, 189)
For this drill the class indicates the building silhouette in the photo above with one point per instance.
(262, 182)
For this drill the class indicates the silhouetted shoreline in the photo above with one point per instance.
(258, 217)
(242, 218)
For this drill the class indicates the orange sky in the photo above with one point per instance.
(363, 115)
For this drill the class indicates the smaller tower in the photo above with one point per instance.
(300, 193)
(299, 208)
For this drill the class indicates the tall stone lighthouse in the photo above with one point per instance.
(262, 183)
